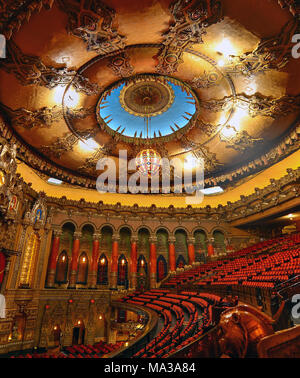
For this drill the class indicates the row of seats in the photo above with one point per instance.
(185, 317)
(265, 264)
(97, 350)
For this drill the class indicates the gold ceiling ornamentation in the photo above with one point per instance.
(29, 119)
(89, 166)
(206, 80)
(31, 70)
(207, 128)
(121, 66)
(13, 15)
(292, 5)
(240, 140)
(256, 105)
(147, 98)
(60, 146)
(190, 21)
(92, 21)
(271, 53)
(200, 151)
(80, 113)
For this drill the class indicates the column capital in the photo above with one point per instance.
(211, 239)
(191, 240)
(57, 232)
(96, 236)
(172, 239)
(153, 239)
(134, 238)
(116, 237)
(77, 235)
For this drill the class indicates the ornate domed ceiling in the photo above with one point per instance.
(213, 78)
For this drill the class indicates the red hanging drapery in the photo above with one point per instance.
(2, 266)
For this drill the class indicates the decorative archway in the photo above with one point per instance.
(162, 268)
(200, 245)
(82, 271)
(62, 265)
(122, 271)
(219, 241)
(142, 273)
(181, 247)
(180, 262)
(102, 272)
(142, 264)
(78, 333)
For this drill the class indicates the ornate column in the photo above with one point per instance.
(114, 261)
(133, 259)
(94, 265)
(153, 261)
(53, 257)
(191, 250)
(74, 262)
(172, 257)
(210, 247)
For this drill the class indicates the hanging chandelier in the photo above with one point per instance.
(148, 160)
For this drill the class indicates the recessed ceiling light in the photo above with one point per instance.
(212, 190)
(55, 181)
(88, 145)
(225, 48)
(191, 162)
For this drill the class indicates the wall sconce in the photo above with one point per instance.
(79, 322)
(100, 317)
(123, 262)
(103, 261)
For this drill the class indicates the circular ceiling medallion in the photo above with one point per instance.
(146, 97)
(147, 107)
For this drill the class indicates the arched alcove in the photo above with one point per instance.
(106, 240)
(200, 245)
(82, 270)
(162, 268)
(122, 271)
(181, 247)
(61, 274)
(102, 271)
